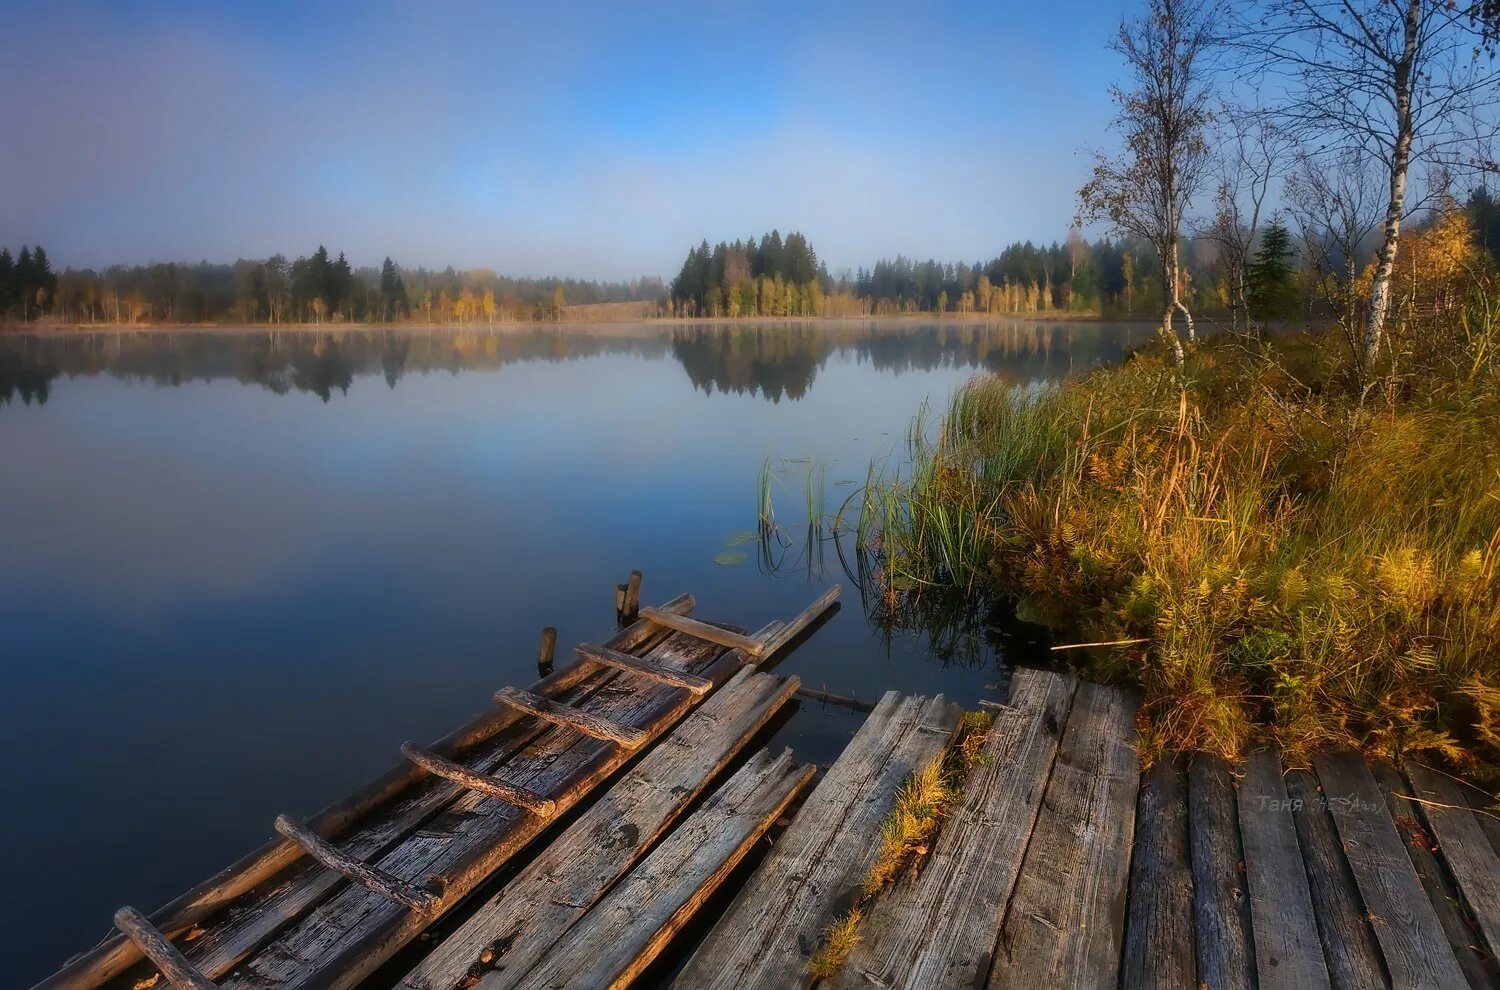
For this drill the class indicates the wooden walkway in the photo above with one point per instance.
(332, 899)
(1063, 866)
(1056, 864)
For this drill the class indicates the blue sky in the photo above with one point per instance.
(597, 140)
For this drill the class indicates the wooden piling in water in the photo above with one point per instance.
(628, 599)
(547, 652)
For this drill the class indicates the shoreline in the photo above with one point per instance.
(61, 329)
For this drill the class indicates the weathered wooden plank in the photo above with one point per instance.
(1349, 946)
(1159, 922)
(771, 644)
(367, 876)
(938, 929)
(537, 804)
(621, 935)
(1221, 907)
(1411, 938)
(703, 631)
(573, 718)
(346, 937)
(1066, 918)
(647, 669)
(524, 919)
(1463, 845)
(159, 949)
(1463, 934)
(1284, 927)
(307, 885)
(818, 866)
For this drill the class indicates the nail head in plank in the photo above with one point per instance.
(1221, 906)
(1159, 926)
(537, 804)
(646, 668)
(1411, 938)
(1463, 844)
(159, 949)
(574, 718)
(1282, 921)
(367, 876)
(1349, 947)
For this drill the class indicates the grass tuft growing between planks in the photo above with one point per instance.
(1281, 545)
(839, 940)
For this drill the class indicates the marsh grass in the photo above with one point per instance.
(1303, 558)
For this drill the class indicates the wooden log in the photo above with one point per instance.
(537, 804)
(702, 630)
(574, 718)
(771, 645)
(1349, 946)
(367, 876)
(547, 651)
(1159, 926)
(637, 665)
(1065, 920)
(343, 940)
(976, 858)
(1221, 905)
(1421, 848)
(1464, 847)
(115, 954)
(159, 949)
(533, 910)
(1283, 924)
(621, 935)
(819, 863)
(633, 596)
(824, 696)
(1411, 938)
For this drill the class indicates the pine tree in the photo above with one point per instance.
(1268, 279)
(9, 291)
(44, 286)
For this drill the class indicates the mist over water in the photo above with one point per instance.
(241, 567)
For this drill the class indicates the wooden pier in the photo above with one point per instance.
(1064, 866)
(331, 899)
(1054, 860)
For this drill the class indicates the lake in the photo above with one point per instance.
(240, 567)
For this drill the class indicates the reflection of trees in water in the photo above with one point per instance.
(25, 376)
(772, 361)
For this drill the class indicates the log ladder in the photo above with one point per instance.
(668, 682)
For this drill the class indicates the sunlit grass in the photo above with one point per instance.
(1297, 560)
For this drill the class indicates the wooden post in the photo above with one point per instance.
(628, 600)
(548, 650)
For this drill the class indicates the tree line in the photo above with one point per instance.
(316, 288)
(27, 282)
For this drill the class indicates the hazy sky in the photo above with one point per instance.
(550, 138)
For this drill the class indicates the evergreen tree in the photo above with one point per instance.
(44, 286)
(1268, 278)
(9, 290)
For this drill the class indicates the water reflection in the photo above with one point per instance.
(773, 361)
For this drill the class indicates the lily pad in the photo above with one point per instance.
(740, 539)
(728, 558)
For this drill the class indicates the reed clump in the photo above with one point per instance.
(1286, 546)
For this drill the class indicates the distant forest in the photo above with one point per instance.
(769, 276)
(318, 288)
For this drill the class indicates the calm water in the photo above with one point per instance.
(240, 568)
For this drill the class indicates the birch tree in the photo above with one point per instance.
(1252, 153)
(1402, 82)
(1147, 188)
